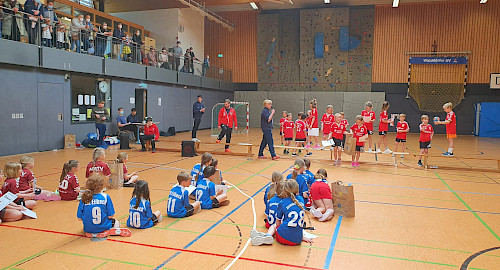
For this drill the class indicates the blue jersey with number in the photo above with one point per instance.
(140, 217)
(272, 208)
(95, 214)
(197, 169)
(178, 199)
(204, 189)
(266, 201)
(292, 219)
(310, 177)
(302, 181)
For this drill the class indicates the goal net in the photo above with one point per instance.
(242, 115)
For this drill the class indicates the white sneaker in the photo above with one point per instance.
(262, 239)
(378, 151)
(160, 218)
(328, 214)
(316, 213)
(369, 150)
(254, 233)
(387, 151)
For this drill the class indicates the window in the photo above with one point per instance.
(86, 92)
(87, 3)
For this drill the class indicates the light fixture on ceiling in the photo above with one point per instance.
(395, 3)
(483, 1)
(327, 1)
(254, 6)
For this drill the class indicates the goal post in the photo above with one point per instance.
(242, 115)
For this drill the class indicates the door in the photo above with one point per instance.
(141, 103)
(50, 116)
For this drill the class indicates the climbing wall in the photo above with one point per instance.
(326, 49)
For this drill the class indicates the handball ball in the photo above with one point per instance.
(436, 118)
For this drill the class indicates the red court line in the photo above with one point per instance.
(168, 248)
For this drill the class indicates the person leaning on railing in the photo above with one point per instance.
(136, 49)
(151, 57)
(101, 40)
(13, 24)
(118, 37)
(34, 9)
(77, 25)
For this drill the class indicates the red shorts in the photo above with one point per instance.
(267, 225)
(283, 241)
(320, 190)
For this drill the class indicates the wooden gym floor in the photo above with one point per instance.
(406, 217)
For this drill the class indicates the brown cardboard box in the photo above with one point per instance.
(116, 178)
(69, 141)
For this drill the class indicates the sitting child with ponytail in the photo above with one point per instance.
(69, 187)
(271, 199)
(288, 229)
(129, 179)
(321, 196)
(96, 210)
(140, 214)
(298, 175)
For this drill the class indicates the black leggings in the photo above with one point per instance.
(145, 138)
(226, 131)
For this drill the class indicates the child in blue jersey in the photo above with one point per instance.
(271, 198)
(301, 178)
(96, 211)
(197, 171)
(310, 175)
(178, 200)
(140, 214)
(218, 180)
(290, 220)
(205, 191)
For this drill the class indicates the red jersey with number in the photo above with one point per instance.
(288, 127)
(327, 121)
(338, 130)
(301, 128)
(451, 128)
(67, 187)
(401, 126)
(371, 115)
(98, 167)
(282, 120)
(425, 132)
(383, 126)
(344, 122)
(359, 131)
(26, 179)
(12, 185)
(309, 120)
(314, 113)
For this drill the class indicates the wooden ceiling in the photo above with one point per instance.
(112, 6)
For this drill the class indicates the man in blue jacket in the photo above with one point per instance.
(198, 111)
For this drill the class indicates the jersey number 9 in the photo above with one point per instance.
(199, 193)
(96, 215)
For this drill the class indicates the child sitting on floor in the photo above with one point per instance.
(27, 180)
(140, 214)
(12, 171)
(205, 191)
(321, 195)
(197, 171)
(129, 180)
(298, 175)
(271, 199)
(178, 200)
(69, 187)
(96, 211)
(97, 165)
(218, 180)
(11, 212)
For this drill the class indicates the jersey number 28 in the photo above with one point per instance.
(294, 216)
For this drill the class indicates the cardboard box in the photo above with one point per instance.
(116, 178)
(69, 141)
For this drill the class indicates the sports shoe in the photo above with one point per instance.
(295, 155)
(97, 235)
(317, 147)
(120, 231)
(387, 151)
(357, 164)
(378, 151)
(300, 151)
(307, 146)
(339, 162)
(369, 150)
(160, 218)
(308, 154)
(262, 239)
(153, 151)
(335, 163)
(327, 215)
(447, 154)
(315, 212)
(420, 163)
(276, 157)
(227, 151)
(353, 164)
(217, 141)
(284, 152)
(255, 233)
(261, 157)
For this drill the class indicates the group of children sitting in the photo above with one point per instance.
(335, 127)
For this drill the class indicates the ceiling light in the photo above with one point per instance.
(327, 1)
(395, 3)
(254, 6)
(483, 1)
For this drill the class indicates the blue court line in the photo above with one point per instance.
(329, 255)
(441, 190)
(430, 207)
(214, 225)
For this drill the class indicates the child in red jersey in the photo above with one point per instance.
(12, 211)
(326, 122)
(359, 131)
(69, 187)
(383, 127)
(309, 123)
(426, 133)
(369, 118)
(300, 132)
(97, 165)
(346, 124)
(402, 128)
(288, 127)
(12, 172)
(451, 127)
(27, 181)
(129, 179)
(338, 133)
(282, 120)
(313, 129)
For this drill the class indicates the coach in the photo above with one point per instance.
(226, 119)
(266, 124)
(198, 111)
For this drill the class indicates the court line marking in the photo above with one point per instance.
(468, 207)
(25, 259)
(329, 255)
(401, 196)
(430, 207)
(164, 247)
(100, 258)
(218, 222)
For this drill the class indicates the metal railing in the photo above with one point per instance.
(84, 37)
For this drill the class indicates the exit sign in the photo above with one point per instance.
(220, 55)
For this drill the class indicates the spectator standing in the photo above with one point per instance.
(13, 24)
(88, 35)
(100, 115)
(266, 124)
(118, 37)
(47, 34)
(1, 18)
(152, 57)
(48, 11)
(198, 111)
(62, 38)
(77, 26)
(193, 57)
(205, 66)
(127, 52)
(177, 55)
(137, 39)
(187, 61)
(102, 36)
(33, 8)
(163, 59)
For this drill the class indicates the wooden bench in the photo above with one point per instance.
(197, 148)
(425, 159)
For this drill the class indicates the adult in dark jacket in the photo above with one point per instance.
(137, 39)
(198, 111)
(34, 9)
(266, 124)
(118, 37)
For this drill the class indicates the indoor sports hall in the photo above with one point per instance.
(313, 134)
